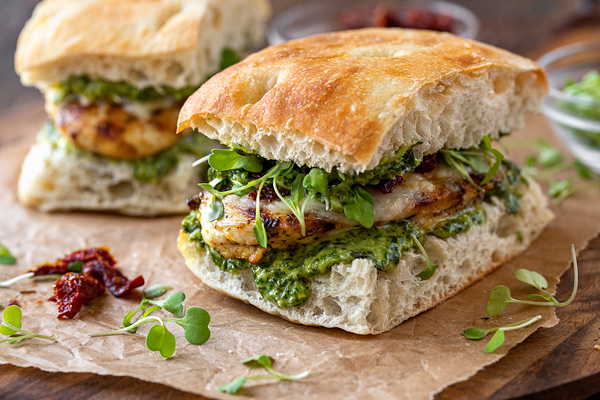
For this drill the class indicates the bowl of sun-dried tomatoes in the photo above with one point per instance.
(310, 18)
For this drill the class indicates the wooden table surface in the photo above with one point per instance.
(555, 363)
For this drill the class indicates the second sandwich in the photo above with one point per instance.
(115, 74)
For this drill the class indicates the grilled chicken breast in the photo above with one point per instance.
(125, 131)
(424, 198)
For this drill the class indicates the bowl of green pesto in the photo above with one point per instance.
(573, 104)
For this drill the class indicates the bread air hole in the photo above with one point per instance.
(332, 307)
(497, 256)
(121, 190)
(175, 69)
(507, 226)
(501, 84)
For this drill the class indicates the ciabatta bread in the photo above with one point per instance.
(348, 99)
(174, 43)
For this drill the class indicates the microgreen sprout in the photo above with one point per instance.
(484, 160)
(548, 162)
(257, 362)
(33, 277)
(216, 209)
(500, 297)
(172, 304)
(159, 338)
(360, 207)
(6, 257)
(498, 339)
(155, 291)
(430, 269)
(11, 325)
(16, 279)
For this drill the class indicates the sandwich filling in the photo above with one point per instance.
(118, 120)
(289, 223)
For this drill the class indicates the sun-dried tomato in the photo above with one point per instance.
(386, 17)
(85, 255)
(73, 290)
(386, 186)
(112, 278)
(268, 194)
(429, 163)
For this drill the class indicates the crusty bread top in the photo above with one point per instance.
(347, 99)
(157, 42)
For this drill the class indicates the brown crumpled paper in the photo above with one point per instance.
(413, 361)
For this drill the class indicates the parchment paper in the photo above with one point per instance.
(413, 361)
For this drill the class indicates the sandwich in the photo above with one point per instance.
(114, 75)
(361, 184)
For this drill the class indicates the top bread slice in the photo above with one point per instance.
(347, 99)
(173, 43)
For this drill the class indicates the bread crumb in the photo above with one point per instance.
(597, 347)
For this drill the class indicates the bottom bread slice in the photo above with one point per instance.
(358, 298)
(53, 179)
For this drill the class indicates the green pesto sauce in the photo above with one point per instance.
(283, 276)
(145, 169)
(459, 223)
(98, 89)
(508, 190)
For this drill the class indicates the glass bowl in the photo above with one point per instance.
(325, 16)
(575, 120)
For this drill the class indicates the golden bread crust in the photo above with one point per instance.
(138, 28)
(146, 42)
(345, 90)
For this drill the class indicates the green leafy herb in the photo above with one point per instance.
(484, 160)
(224, 160)
(160, 339)
(256, 362)
(430, 269)
(549, 162)
(216, 209)
(234, 386)
(5, 257)
(172, 304)
(293, 201)
(194, 324)
(228, 58)
(498, 339)
(155, 291)
(493, 169)
(11, 325)
(500, 297)
(75, 266)
(316, 181)
(360, 207)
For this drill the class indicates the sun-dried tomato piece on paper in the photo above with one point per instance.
(74, 290)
